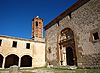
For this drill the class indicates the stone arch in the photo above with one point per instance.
(11, 60)
(67, 41)
(26, 61)
(1, 60)
(68, 33)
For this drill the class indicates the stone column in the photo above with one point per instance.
(64, 56)
(19, 63)
(3, 64)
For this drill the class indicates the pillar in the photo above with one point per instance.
(3, 64)
(19, 62)
(64, 56)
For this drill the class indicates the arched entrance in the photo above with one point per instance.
(11, 60)
(69, 56)
(67, 47)
(1, 60)
(26, 61)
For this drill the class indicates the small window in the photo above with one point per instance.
(39, 22)
(28, 45)
(49, 50)
(14, 44)
(95, 36)
(36, 24)
(0, 42)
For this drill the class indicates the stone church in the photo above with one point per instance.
(72, 39)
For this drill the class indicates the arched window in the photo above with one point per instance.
(68, 33)
(66, 36)
(36, 24)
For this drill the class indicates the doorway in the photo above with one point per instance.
(69, 56)
(67, 43)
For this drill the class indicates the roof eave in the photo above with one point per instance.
(75, 6)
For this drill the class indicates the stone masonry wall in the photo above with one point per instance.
(51, 39)
(84, 22)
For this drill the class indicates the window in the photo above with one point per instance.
(28, 45)
(14, 44)
(49, 49)
(36, 24)
(39, 22)
(0, 42)
(95, 36)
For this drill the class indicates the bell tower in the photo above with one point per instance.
(37, 28)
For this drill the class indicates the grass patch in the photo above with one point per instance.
(77, 71)
(6, 69)
(55, 70)
(87, 70)
(27, 72)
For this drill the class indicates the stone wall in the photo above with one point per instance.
(51, 41)
(39, 55)
(36, 50)
(84, 22)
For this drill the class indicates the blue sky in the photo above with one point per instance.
(16, 15)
